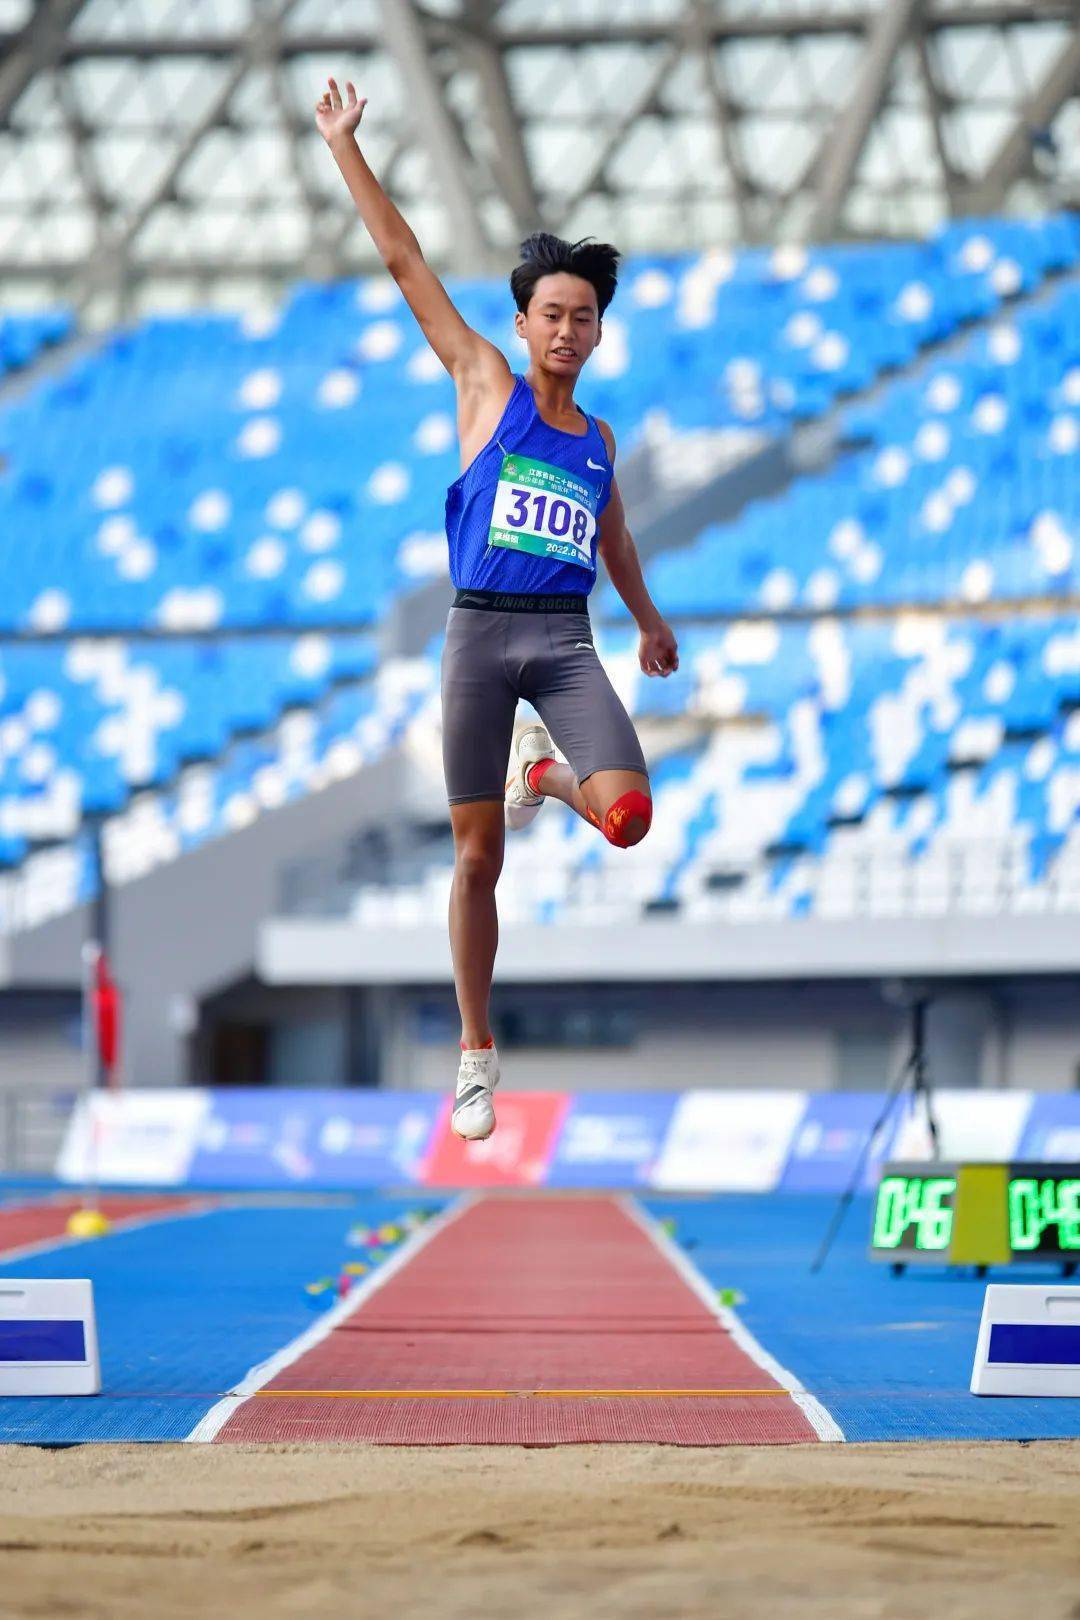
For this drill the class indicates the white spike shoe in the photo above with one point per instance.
(531, 743)
(478, 1075)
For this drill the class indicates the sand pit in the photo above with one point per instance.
(824, 1531)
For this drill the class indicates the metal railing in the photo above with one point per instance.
(973, 877)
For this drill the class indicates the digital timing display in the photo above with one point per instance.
(1044, 1212)
(914, 1212)
(982, 1214)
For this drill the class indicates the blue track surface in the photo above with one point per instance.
(890, 1357)
(187, 1306)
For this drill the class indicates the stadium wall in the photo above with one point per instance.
(166, 955)
(819, 1035)
(659, 1036)
(314, 950)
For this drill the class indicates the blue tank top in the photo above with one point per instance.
(523, 516)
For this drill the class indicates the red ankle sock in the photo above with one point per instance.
(488, 1044)
(536, 773)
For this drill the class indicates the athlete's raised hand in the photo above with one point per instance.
(658, 653)
(335, 118)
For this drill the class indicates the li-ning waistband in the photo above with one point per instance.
(520, 602)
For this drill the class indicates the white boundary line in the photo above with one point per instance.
(208, 1427)
(821, 1421)
(117, 1226)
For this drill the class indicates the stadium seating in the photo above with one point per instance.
(207, 472)
(966, 491)
(319, 719)
(24, 336)
(921, 760)
(86, 724)
(198, 477)
(841, 767)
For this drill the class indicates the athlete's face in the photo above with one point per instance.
(561, 325)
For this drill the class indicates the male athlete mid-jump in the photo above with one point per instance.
(535, 503)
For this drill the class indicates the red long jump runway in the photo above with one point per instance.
(23, 1226)
(527, 1321)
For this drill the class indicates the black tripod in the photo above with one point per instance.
(913, 1072)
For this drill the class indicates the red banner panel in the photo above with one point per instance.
(517, 1155)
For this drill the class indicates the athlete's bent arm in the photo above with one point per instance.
(477, 366)
(658, 653)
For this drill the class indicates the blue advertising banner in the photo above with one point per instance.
(252, 1137)
(372, 1138)
(259, 1138)
(1052, 1131)
(719, 1140)
(829, 1138)
(611, 1139)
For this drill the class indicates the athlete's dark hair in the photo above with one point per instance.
(545, 255)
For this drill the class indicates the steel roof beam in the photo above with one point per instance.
(480, 49)
(937, 107)
(1013, 157)
(842, 145)
(725, 116)
(436, 127)
(643, 103)
(37, 46)
(111, 265)
(446, 31)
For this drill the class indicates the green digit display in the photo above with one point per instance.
(936, 1219)
(981, 1214)
(889, 1222)
(1044, 1214)
(914, 1212)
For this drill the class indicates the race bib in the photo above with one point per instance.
(544, 510)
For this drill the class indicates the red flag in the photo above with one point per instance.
(106, 1003)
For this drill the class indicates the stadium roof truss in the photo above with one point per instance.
(157, 152)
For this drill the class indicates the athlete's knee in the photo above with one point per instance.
(628, 819)
(477, 866)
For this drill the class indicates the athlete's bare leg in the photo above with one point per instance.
(597, 793)
(479, 834)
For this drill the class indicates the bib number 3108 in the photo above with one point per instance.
(544, 510)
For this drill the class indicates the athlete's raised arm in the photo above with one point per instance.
(476, 365)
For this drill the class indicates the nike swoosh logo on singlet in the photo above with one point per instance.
(597, 466)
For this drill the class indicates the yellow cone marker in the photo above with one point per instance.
(88, 1223)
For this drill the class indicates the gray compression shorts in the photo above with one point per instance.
(545, 654)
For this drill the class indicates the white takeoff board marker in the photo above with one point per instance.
(48, 1337)
(1029, 1341)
